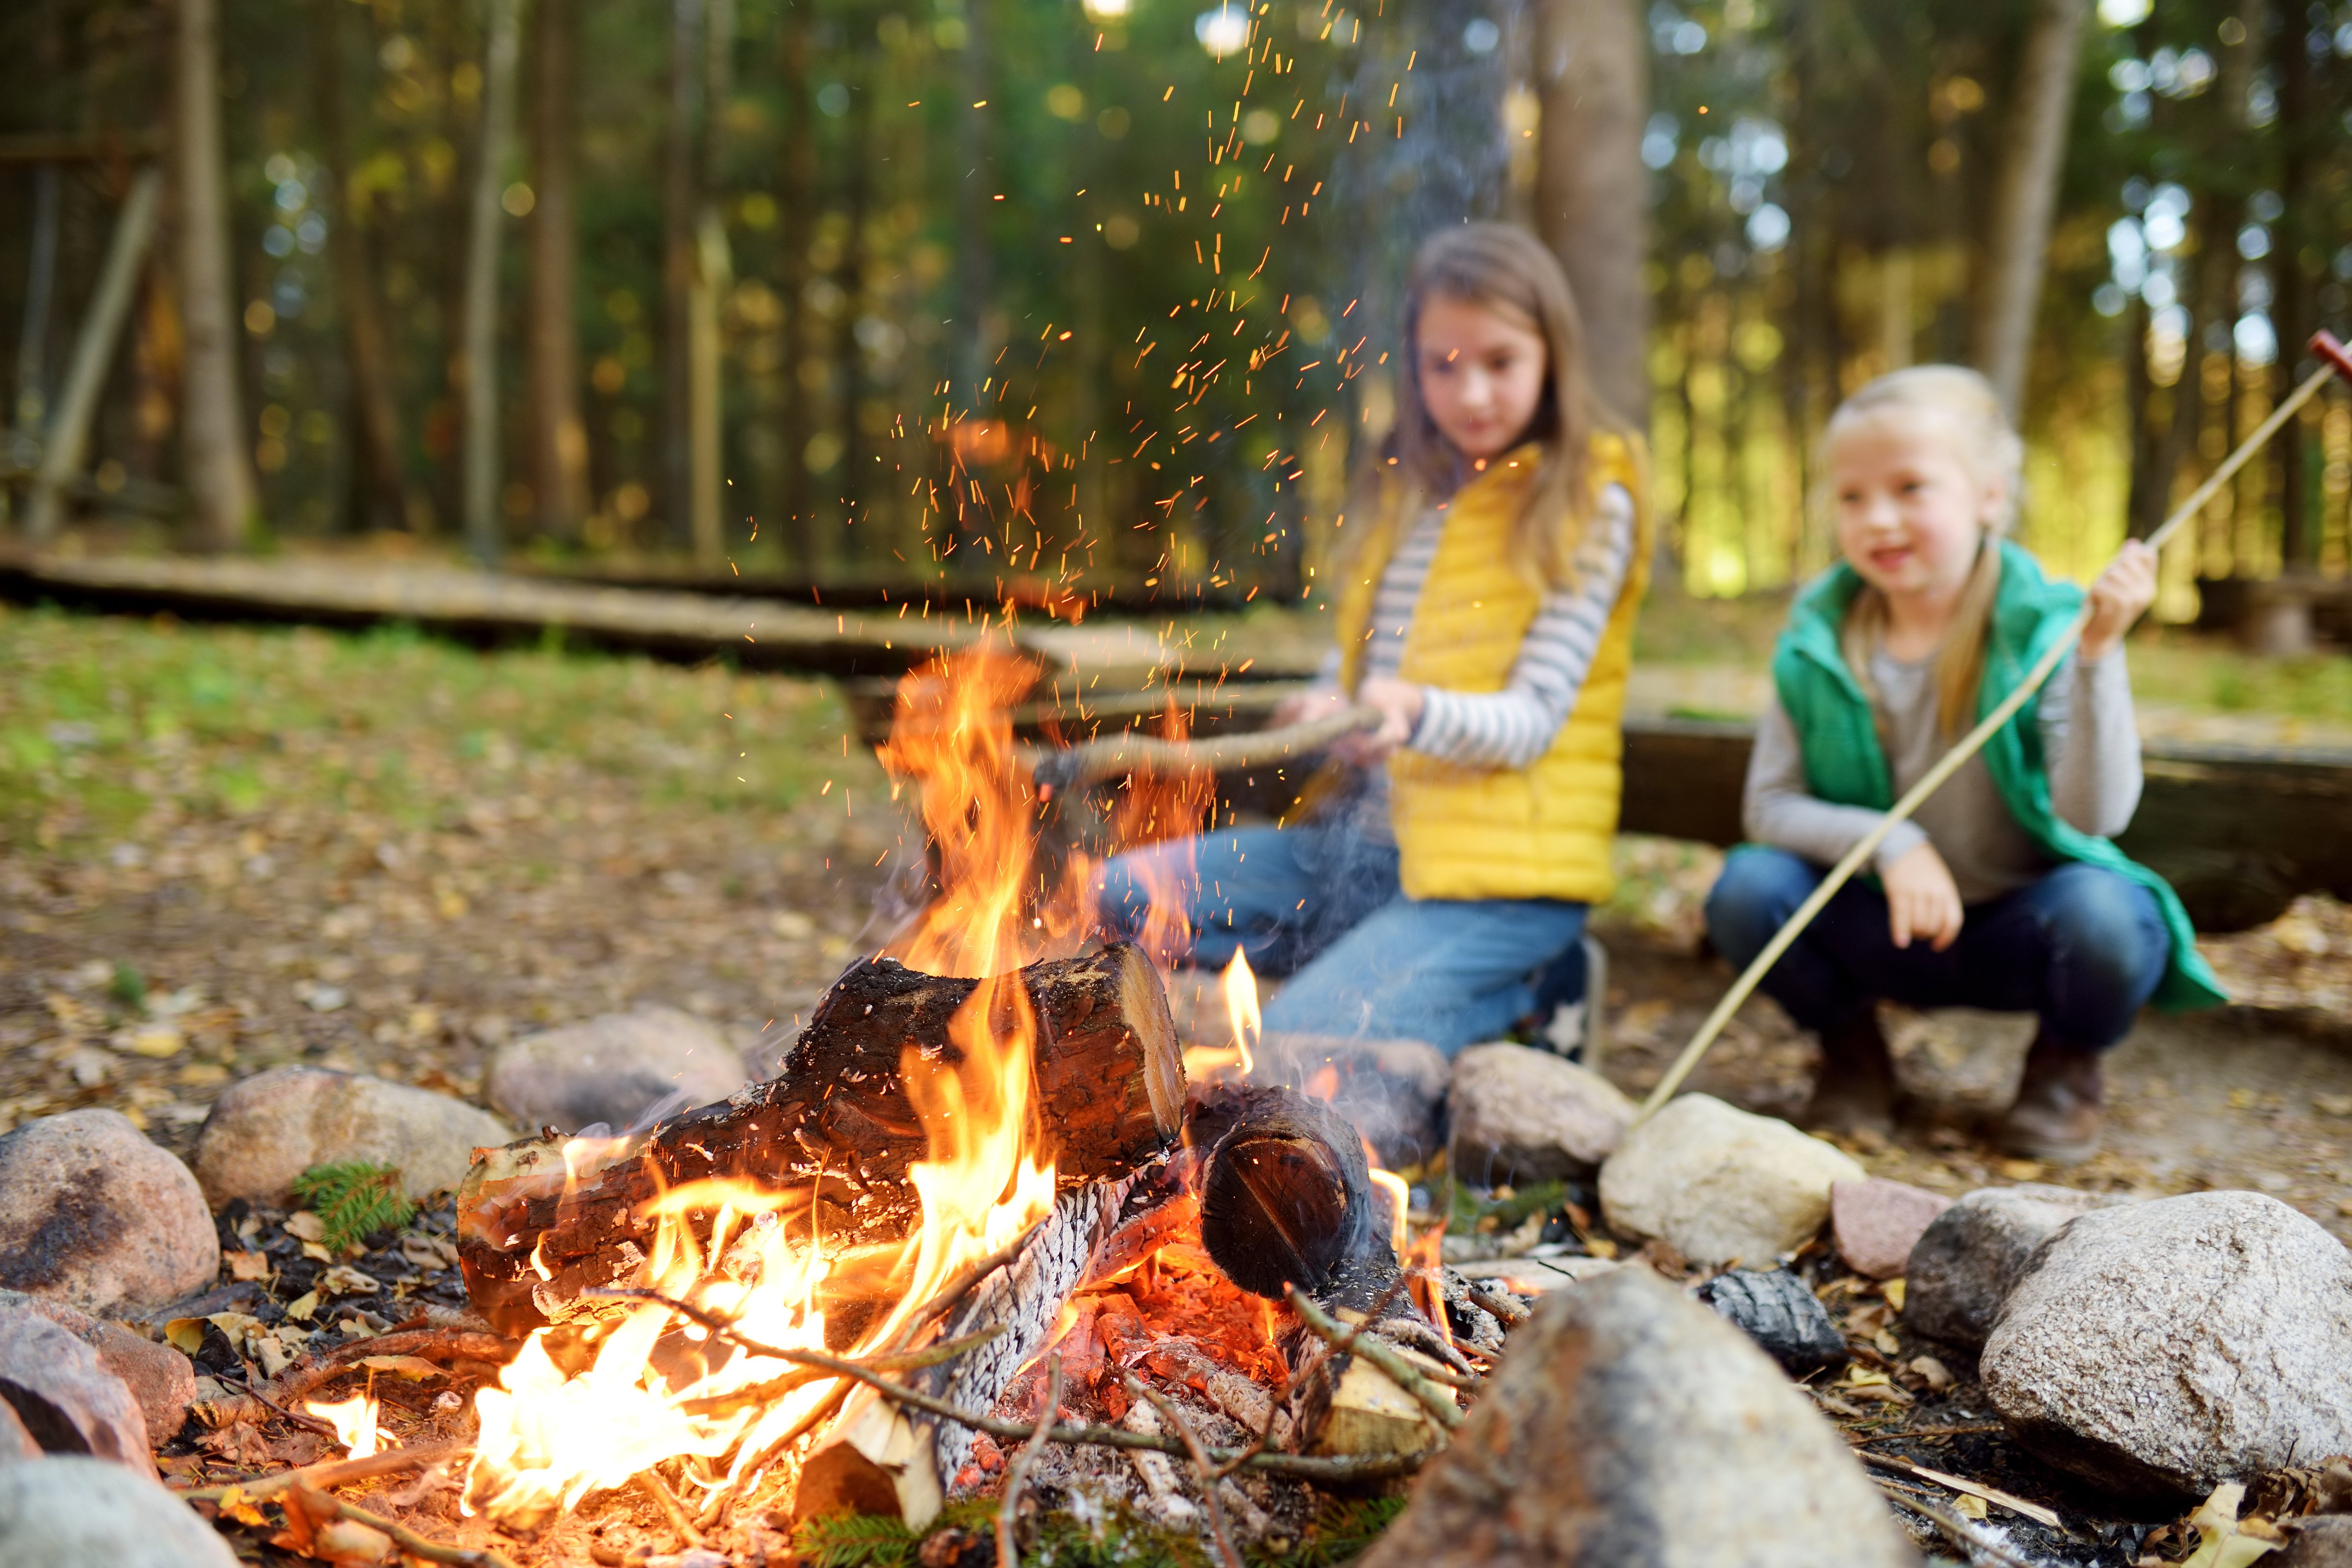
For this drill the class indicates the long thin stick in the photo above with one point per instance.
(2332, 362)
(1017, 1474)
(1202, 1467)
(407, 1540)
(1401, 1371)
(1131, 751)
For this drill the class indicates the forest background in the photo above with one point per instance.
(968, 291)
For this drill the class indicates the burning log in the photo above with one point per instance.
(543, 1222)
(1287, 1203)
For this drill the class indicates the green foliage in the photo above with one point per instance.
(857, 1541)
(355, 1199)
(1342, 1532)
(128, 987)
(1470, 1206)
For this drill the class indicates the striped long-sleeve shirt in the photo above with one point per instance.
(1513, 727)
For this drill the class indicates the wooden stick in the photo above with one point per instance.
(652, 1485)
(2045, 1517)
(2333, 362)
(328, 1473)
(407, 1540)
(1201, 1467)
(1307, 1466)
(1953, 1527)
(1352, 1341)
(1008, 1512)
(1132, 751)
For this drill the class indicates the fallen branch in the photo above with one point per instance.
(1954, 1528)
(1017, 1474)
(1505, 1307)
(1305, 1467)
(324, 1366)
(776, 1388)
(407, 1540)
(1132, 750)
(955, 1291)
(1201, 1467)
(2045, 1517)
(328, 1473)
(658, 1491)
(1348, 1340)
(1930, 1432)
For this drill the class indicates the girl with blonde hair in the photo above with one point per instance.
(2005, 892)
(1487, 613)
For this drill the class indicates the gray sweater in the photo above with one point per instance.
(2089, 743)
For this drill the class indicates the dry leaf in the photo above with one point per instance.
(246, 1266)
(416, 1369)
(2332, 1104)
(315, 1253)
(234, 1504)
(430, 1253)
(301, 1308)
(1940, 1377)
(304, 1224)
(161, 1040)
(1973, 1506)
(186, 1335)
(343, 1279)
(1892, 1291)
(274, 1353)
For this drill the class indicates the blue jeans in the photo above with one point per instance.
(2083, 948)
(1322, 905)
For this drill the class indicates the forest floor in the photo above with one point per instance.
(223, 848)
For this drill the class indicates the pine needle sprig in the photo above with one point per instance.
(354, 1199)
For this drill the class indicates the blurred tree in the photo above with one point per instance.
(218, 472)
(1592, 200)
(2025, 194)
(680, 266)
(478, 360)
(558, 435)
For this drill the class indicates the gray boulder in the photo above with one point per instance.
(1521, 1115)
(270, 1128)
(1721, 1185)
(2164, 1348)
(94, 1215)
(1965, 1262)
(2325, 1541)
(159, 1377)
(82, 1513)
(613, 1069)
(1393, 1091)
(1628, 1424)
(64, 1396)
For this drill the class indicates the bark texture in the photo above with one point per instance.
(2025, 194)
(479, 358)
(559, 438)
(212, 423)
(1592, 191)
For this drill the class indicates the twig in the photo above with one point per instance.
(407, 1540)
(1304, 1466)
(817, 1415)
(1931, 1432)
(1132, 750)
(957, 1289)
(1402, 1373)
(329, 1473)
(2045, 1517)
(1258, 1444)
(1008, 1512)
(1201, 1467)
(1506, 1310)
(322, 1366)
(776, 1388)
(652, 1486)
(1959, 1532)
(308, 1423)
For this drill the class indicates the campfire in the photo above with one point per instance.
(991, 1223)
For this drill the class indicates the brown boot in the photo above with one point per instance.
(1855, 1091)
(2057, 1117)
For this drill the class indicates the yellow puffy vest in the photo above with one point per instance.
(1538, 832)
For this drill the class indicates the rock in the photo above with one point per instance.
(66, 1398)
(1522, 1115)
(16, 1442)
(1773, 1307)
(82, 1513)
(1392, 1090)
(2325, 1541)
(1719, 1184)
(2164, 1348)
(94, 1215)
(275, 1125)
(160, 1378)
(1963, 1264)
(1628, 1424)
(613, 1069)
(1877, 1222)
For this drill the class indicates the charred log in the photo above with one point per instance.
(831, 1138)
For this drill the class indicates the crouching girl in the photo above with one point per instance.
(2004, 892)
(1487, 614)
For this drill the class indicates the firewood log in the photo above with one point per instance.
(833, 1134)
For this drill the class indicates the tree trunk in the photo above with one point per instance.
(1593, 193)
(479, 358)
(712, 272)
(218, 471)
(2025, 194)
(972, 271)
(851, 276)
(2291, 300)
(679, 266)
(837, 1126)
(32, 410)
(383, 493)
(559, 438)
(796, 203)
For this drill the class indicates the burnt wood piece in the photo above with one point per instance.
(834, 1132)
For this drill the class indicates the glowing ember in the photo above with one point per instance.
(355, 1423)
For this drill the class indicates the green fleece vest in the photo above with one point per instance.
(1846, 764)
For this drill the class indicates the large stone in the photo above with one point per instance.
(2166, 1347)
(1393, 1091)
(1628, 1424)
(160, 1378)
(1719, 1184)
(1963, 1264)
(275, 1125)
(613, 1069)
(94, 1215)
(82, 1513)
(1877, 1222)
(2325, 1541)
(1522, 1115)
(66, 1398)
(17, 1442)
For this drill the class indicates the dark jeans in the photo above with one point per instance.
(2083, 948)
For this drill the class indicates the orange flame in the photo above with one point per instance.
(354, 1421)
(1239, 987)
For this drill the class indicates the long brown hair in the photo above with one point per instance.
(1508, 271)
(1964, 404)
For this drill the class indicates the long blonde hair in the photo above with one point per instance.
(1508, 271)
(1964, 405)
